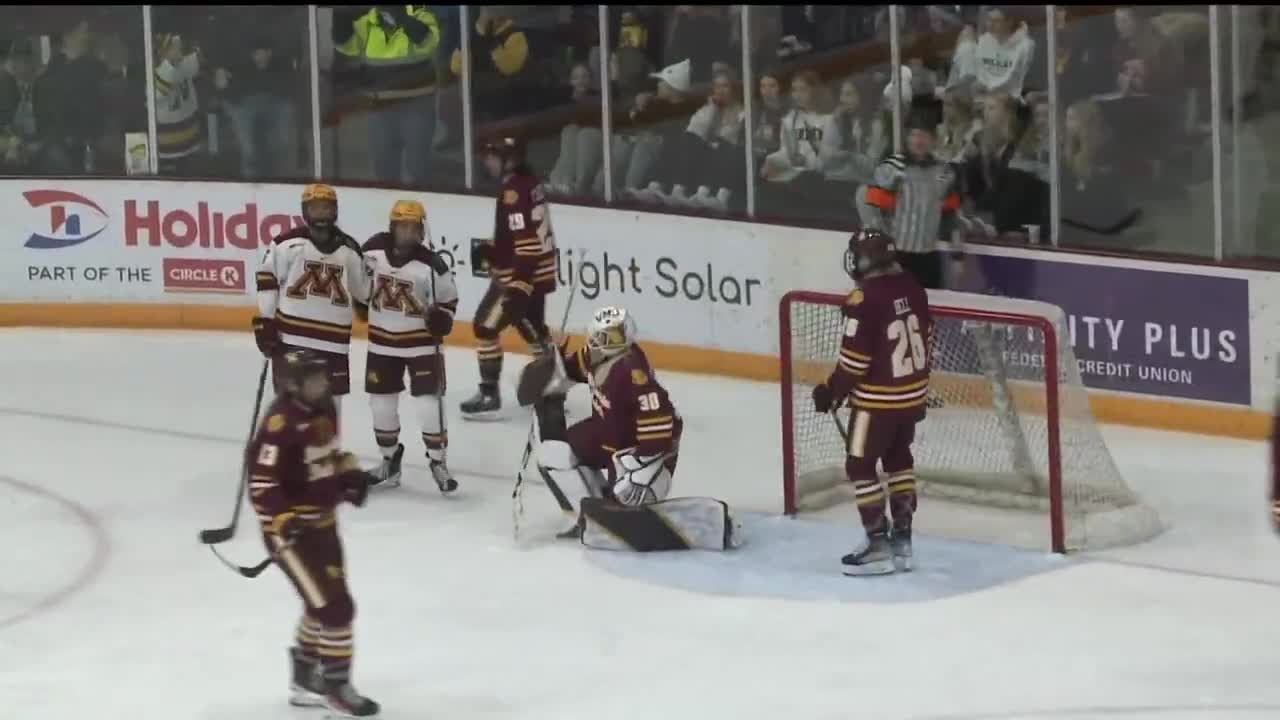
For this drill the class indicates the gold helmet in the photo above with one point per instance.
(320, 212)
(408, 211)
(319, 191)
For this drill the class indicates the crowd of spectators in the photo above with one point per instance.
(231, 98)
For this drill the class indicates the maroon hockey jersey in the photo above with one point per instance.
(888, 340)
(295, 460)
(626, 396)
(524, 246)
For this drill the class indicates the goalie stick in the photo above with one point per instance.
(452, 484)
(517, 505)
(215, 536)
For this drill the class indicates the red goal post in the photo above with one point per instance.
(995, 427)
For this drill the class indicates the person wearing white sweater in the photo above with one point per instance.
(998, 61)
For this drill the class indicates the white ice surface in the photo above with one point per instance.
(115, 448)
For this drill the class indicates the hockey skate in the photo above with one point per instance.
(900, 543)
(388, 474)
(573, 533)
(343, 701)
(440, 473)
(874, 559)
(484, 405)
(307, 687)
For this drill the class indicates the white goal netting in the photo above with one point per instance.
(988, 442)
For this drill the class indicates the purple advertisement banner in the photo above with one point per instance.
(1142, 331)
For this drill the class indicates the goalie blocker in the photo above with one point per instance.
(613, 470)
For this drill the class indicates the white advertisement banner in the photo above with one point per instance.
(149, 241)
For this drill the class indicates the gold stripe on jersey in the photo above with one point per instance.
(528, 246)
(854, 363)
(403, 339)
(891, 397)
(315, 329)
(520, 285)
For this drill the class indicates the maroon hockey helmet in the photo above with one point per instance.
(509, 148)
(294, 368)
(869, 250)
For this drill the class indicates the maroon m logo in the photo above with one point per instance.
(395, 295)
(320, 280)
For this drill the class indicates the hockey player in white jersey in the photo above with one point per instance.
(412, 302)
(310, 284)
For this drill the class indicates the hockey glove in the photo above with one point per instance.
(822, 399)
(439, 321)
(355, 486)
(266, 335)
(287, 526)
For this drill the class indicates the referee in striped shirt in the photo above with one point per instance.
(914, 198)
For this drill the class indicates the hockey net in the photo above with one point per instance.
(1009, 445)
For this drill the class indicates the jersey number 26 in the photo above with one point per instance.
(909, 354)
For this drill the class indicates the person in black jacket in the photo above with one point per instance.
(257, 91)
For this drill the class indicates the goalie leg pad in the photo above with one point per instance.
(677, 524)
(568, 481)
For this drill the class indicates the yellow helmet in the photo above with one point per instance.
(319, 191)
(408, 211)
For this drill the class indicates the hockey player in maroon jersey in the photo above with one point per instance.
(883, 371)
(298, 475)
(613, 470)
(522, 269)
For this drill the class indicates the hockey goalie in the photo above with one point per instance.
(613, 470)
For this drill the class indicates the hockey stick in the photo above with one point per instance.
(517, 504)
(253, 571)
(220, 535)
(844, 431)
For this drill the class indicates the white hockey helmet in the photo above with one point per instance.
(611, 332)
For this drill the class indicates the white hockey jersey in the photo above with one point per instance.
(312, 295)
(400, 293)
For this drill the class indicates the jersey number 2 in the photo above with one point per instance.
(908, 354)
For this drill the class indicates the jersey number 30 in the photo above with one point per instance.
(908, 353)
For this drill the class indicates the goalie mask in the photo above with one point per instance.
(611, 333)
(408, 226)
(869, 250)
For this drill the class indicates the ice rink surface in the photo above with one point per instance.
(119, 446)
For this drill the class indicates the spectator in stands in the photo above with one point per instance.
(1083, 65)
(257, 89)
(504, 82)
(581, 143)
(179, 126)
(958, 133)
(24, 113)
(1021, 209)
(388, 57)
(985, 173)
(713, 163)
(1137, 37)
(853, 142)
(629, 71)
(793, 174)
(701, 34)
(659, 121)
(124, 98)
(770, 107)
(1094, 200)
(73, 80)
(998, 61)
